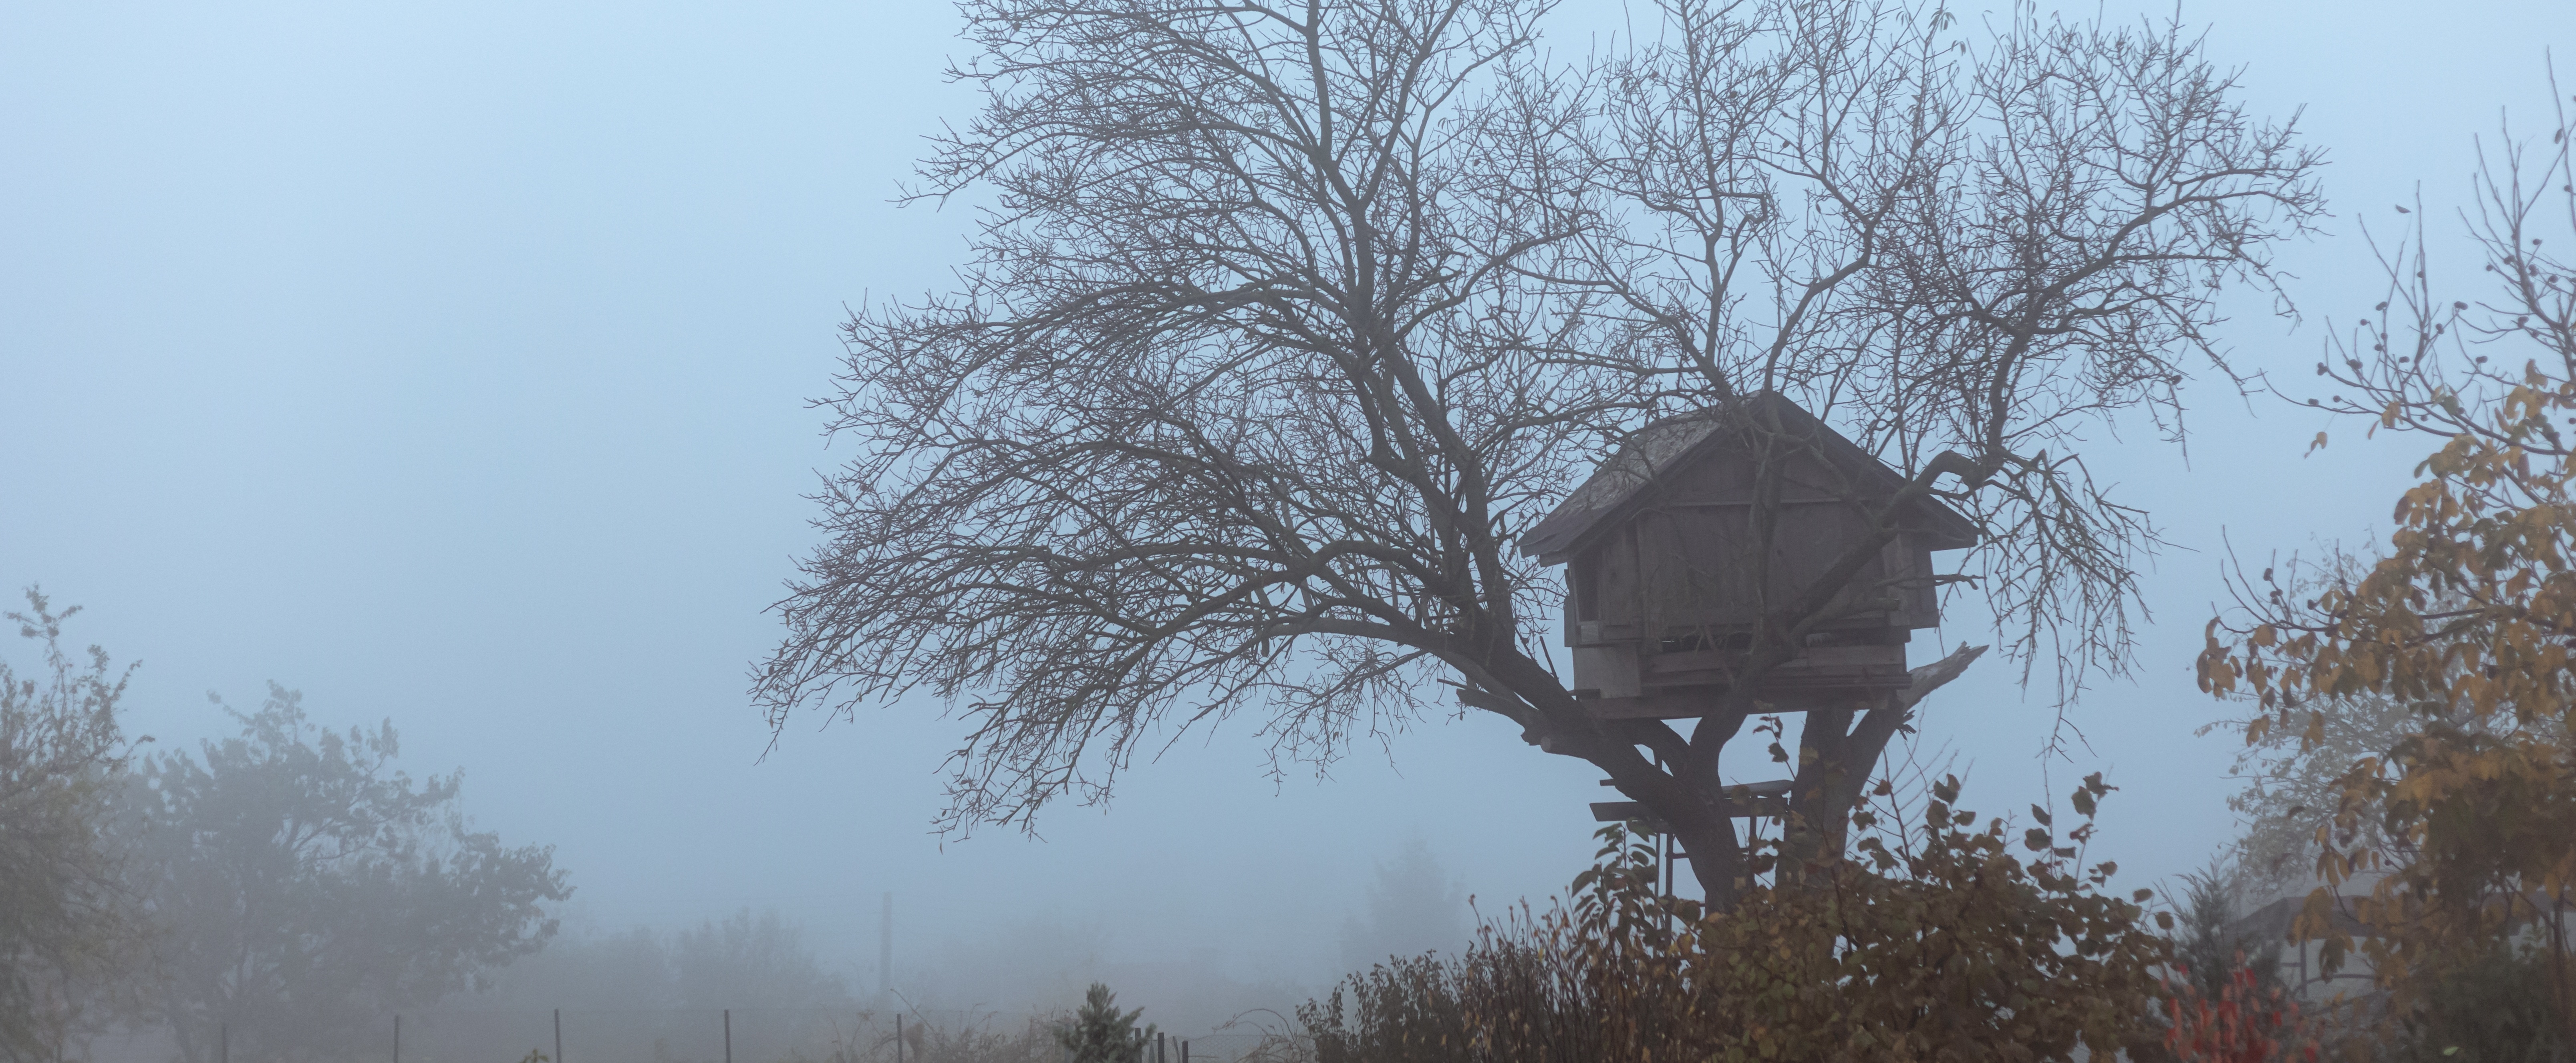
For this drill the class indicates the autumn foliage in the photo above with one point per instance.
(1949, 937)
(2468, 618)
(2246, 1023)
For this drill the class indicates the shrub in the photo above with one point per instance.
(2493, 1009)
(2244, 1021)
(1935, 942)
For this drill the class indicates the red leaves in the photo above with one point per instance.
(2244, 1025)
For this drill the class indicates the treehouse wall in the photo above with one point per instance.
(1676, 549)
(1690, 561)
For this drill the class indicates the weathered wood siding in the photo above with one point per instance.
(1693, 561)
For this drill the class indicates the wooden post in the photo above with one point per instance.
(558, 1035)
(898, 1037)
(224, 1042)
(1664, 858)
(397, 1037)
(728, 1013)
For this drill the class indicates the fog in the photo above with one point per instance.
(449, 364)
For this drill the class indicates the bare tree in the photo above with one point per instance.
(1286, 323)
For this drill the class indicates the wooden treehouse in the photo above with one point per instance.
(1668, 567)
(1673, 556)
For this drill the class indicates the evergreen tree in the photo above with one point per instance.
(1414, 907)
(2208, 945)
(1100, 1034)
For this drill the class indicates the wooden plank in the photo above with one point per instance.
(1695, 700)
(1699, 676)
(1906, 559)
(1661, 706)
(1785, 681)
(1765, 788)
(1600, 633)
(1761, 807)
(1888, 656)
(1635, 811)
(1619, 811)
(1615, 594)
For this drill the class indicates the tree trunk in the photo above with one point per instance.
(1835, 758)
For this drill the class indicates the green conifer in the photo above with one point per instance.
(1100, 1034)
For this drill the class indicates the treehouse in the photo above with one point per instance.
(1704, 524)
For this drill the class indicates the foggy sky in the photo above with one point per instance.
(448, 362)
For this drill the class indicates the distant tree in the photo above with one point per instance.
(1100, 1033)
(306, 886)
(2467, 622)
(628, 970)
(746, 960)
(1413, 907)
(1031, 960)
(751, 961)
(2294, 804)
(2294, 789)
(1287, 322)
(67, 929)
(2208, 943)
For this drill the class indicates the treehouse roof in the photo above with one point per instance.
(1658, 451)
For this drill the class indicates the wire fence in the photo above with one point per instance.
(737, 1035)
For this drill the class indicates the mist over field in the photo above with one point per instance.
(453, 367)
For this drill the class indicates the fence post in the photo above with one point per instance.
(559, 1037)
(224, 1042)
(397, 1037)
(898, 1037)
(728, 1035)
